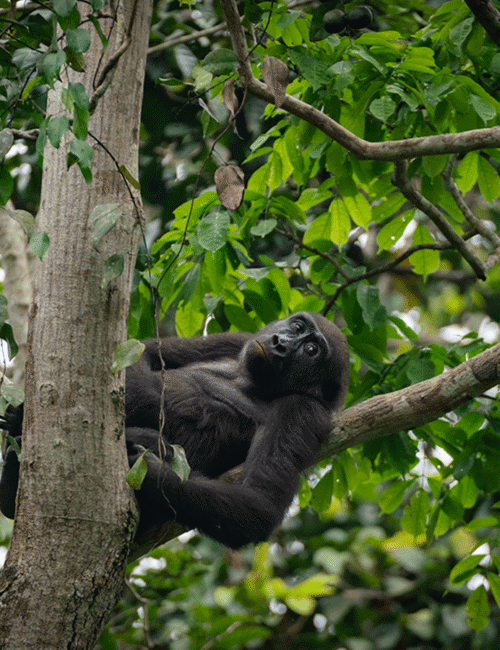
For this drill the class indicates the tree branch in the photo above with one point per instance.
(489, 17)
(416, 405)
(393, 150)
(477, 224)
(401, 181)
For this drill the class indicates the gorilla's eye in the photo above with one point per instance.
(297, 326)
(311, 349)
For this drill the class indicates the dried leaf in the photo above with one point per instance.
(230, 101)
(229, 98)
(275, 74)
(230, 186)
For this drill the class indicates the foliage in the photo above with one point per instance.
(397, 542)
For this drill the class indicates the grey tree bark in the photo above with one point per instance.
(76, 514)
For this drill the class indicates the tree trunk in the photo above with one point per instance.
(75, 512)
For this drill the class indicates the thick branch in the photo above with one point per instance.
(362, 149)
(416, 405)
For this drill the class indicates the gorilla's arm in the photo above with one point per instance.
(178, 352)
(9, 481)
(12, 423)
(237, 514)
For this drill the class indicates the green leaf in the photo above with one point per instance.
(196, 208)
(98, 28)
(399, 451)
(7, 334)
(263, 227)
(6, 142)
(80, 123)
(314, 69)
(415, 514)
(494, 581)
(78, 40)
(322, 492)
(483, 108)
(52, 64)
(374, 314)
(102, 220)
(238, 317)
(79, 95)
(112, 269)
(12, 394)
(434, 165)
(202, 79)
(212, 230)
(452, 508)
(26, 58)
(483, 522)
(23, 218)
(340, 488)
(383, 108)
(75, 60)
(15, 446)
(359, 209)
(489, 182)
(467, 171)
(180, 464)
(465, 569)
(419, 369)
(64, 8)
(188, 287)
(81, 153)
(478, 609)
(424, 261)
(137, 473)
(220, 62)
(6, 185)
(39, 244)
(285, 208)
(392, 496)
(126, 354)
(56, 128)
(405, 329)
(340, 223)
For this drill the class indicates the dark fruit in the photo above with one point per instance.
(334, 21)
(360, 17)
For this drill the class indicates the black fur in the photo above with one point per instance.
(264, 400)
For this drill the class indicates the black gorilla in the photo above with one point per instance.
(263, 400)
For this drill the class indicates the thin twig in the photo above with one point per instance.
(477, 224)
(296, 240)
(386, 268)
(400, 180)
(186, 38)
(106, 76)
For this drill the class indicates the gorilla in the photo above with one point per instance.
(263, 401)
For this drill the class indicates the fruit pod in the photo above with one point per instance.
(334, 21)
(360, 17)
